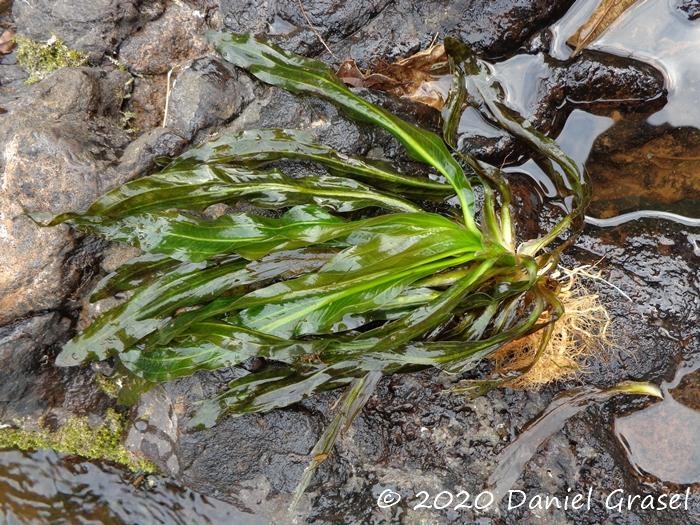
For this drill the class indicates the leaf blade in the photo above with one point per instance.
(297, 74)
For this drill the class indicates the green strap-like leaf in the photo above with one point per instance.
(188, 285)
(132, 274)
(189, 238)
(205, 185)
(297, 74)
(377, 269)
(211, 350)
(265, 145)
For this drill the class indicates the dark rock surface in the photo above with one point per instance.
(691, 8)
(93, 26)
(493, 29)
(31, 388)
(288, 22)
(206, 92)
(377, 28)
(596, 82)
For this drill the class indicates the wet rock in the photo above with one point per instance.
(140, 156)
(30, 387)
(691, 8)
(495, 29)
(256, 474)
(599, 81)
(18, 345)
(595, 82)
(688, 391)
(369, 29)
(154, 429)
(286, 22)
(492, 29)
(93, 26)
(653, 325)
(206, 92)
(277, 108)
(59, 147)
(173, 38)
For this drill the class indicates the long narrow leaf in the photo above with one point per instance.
(265, 145)
(152, 306)
(132, 274)
(204, 185)
(297, 74)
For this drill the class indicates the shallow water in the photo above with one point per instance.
(661, 441)
(655, 32)
(44, 487)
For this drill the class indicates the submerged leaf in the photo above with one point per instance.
(515, 456)
(352, 402)
(607, 12)
(474, 75)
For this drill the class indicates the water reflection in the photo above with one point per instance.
(655, 32)
(662, 440)
(42, 488)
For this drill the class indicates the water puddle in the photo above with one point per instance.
(512, 460)
(653, 31)
(44, 487)
(662, 440)
(642, 165)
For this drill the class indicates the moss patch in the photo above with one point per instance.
(42, 58)
(109, 385)
(77, 437)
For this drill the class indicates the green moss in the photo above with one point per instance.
(78, 438)
(42, 58)
(109, 385)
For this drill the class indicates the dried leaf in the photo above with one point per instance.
(416, 77)
(607, 12)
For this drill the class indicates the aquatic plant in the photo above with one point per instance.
(349, 277)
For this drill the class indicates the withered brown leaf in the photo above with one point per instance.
(414, 77)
